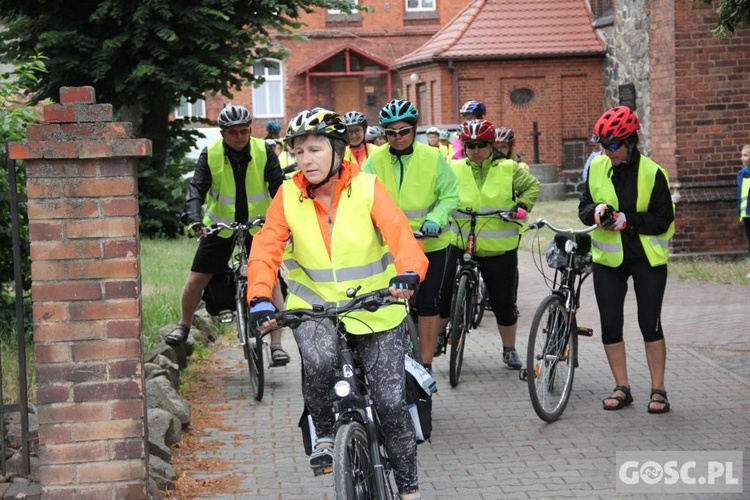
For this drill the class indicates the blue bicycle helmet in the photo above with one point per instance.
(476, 108)
(398, 110)
(273, 127)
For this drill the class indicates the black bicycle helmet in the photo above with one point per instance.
(505, 134)
(233, 115)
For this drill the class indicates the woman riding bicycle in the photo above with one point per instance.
(486, 182)
(335, 220)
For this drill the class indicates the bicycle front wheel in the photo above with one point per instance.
(479, 303)
(353, 473)
(460, 319)
(551, 358)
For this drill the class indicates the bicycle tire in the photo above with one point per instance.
(353, 473)
(459, 328)
(411, 339)
(253, 345)
(551, 358)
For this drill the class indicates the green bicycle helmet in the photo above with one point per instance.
(317, 121)
(398, 110)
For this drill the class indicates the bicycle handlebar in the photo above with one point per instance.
(235, 226)
(504, 214)
(540, 223)
(371, 301)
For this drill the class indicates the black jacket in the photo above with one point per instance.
(201, 182)
(625, 180)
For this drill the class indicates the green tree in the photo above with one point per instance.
(144, 55)
(15, 114)
(732, 15)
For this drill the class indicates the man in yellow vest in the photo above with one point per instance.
(423, 185)
(627, 195)
(235, 177)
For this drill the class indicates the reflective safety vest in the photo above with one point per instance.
(220, 202)
(494, 235)
(358, 256)
(744, 194)
(416, 195)
(607, 245)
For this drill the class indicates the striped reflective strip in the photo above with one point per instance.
(228, 200)
(216, 219)
(256, 198)
(306, 294)
(609, 248)
(662, 243)
(346, 274)
(416, 214)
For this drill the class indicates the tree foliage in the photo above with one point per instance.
(733, 14)
(144, 55)
(15, 114)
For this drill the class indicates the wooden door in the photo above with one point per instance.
(347, 94)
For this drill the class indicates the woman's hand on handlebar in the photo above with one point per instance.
(402, 286)
(261, 313)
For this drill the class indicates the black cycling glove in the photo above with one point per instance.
(406, 281)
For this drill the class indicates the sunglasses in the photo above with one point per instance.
(613, 147)
(473, 145)
(241, 132)
(400, 132)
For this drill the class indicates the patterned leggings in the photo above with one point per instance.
(383, 358)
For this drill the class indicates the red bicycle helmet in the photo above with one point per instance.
(478, 130)
(614, 125)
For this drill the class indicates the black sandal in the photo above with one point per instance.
(279, 356)
(178, 335)
(622, 402)
(663, 394)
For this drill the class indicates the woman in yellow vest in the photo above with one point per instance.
(235, 177)
(627, 195)
(356, 124)
(486, 182)
(335, 219)
(424, 187)
(743, 191)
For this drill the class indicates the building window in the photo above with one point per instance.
(522, 97)
(268, 98)
(337, 11)
(188, 109)
(417, 5)
(600, 8)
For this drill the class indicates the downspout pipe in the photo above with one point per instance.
(454, 74)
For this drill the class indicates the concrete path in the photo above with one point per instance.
(488, 443)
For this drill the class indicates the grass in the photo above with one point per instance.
(164, 268)
(564, 214)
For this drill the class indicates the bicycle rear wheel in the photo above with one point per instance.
(459, 329)
(353, 473)
(551, 358)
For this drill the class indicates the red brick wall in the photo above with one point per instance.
(700, 121)
(82, 190)
(567, 102)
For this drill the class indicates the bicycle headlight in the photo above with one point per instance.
(467, 257)
(342, 388)
(570, 246)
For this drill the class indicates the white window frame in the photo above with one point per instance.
(195, 109)
(420, 8)
(337, 11)
(262, 95)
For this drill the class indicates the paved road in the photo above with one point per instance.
(487, 441)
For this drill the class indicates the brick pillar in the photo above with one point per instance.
(83, 207)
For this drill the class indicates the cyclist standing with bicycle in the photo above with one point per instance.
(421, 182)
(488, 182)
(235, 177)
(335, 218)
(627, 195)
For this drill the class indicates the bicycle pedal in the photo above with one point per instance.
(585, 332)
(321, 471)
